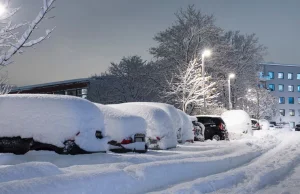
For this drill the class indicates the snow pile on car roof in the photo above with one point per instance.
(51, 119)
(120, 124)
(187, 127)
(264, 124)
(159, 124)
(237, 121)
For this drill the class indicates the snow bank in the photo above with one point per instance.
(158, 122)
(187, 127)
(264, 124)
(51, 119)
(237, 121)
(120, 124)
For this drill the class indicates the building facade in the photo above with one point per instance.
(284, 82)
(75, 87)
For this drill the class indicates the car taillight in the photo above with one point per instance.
(126, 141)
(158, 138)
(221, 126)
(257, 125)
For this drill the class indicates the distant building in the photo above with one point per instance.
(74, 87)
(284, 82)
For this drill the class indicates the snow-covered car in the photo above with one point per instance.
(255, 124)
(160, 132)
(186, 132)
(264, 124)
(127, 132)
(64, 124)
(215, 128)
(198, 131)
(237, 121)
(272, 127)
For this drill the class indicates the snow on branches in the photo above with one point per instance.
(185, 89)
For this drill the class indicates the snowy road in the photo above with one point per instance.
(267, 162)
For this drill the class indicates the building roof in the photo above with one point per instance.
(72, 81)
(280, 64)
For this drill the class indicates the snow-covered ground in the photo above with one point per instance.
(268, 162)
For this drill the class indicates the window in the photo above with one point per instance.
(292, 112)
(271, 75)
(71, 92)
(282, 112)
(292, 124)
(298, 100)
(291, 88)
(291, 100)
(281, 100)
(281, 87)
(290, 75)
(298, 75)
(271, 87)
(298, 88)
(298, 112)
(280, 75)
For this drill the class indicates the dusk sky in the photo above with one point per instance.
(92, 33)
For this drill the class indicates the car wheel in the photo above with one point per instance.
(216, 137)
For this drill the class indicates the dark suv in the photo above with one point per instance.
(215, 127)
(297, 127)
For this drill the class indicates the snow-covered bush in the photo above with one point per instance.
(159, 124)
(52, 119)
(264, 124)
(187, 127)
(237, 121)
(119, 124)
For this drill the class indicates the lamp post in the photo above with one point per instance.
(206, 53)
(231, 76)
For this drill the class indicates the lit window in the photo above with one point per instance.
(291, 100)
(280, 75)
(271, 87)
(281, 100)
(298, 100)
(282, 112)
(291, 88)
(271, 75)
(290, 75)
(292, 112)
(281, 87)
(298, 75)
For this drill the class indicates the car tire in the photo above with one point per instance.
(216, 137)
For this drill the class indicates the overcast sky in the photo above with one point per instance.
(90, 34)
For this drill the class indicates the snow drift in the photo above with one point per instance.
(158, 122)
(237, 121)
(52, 119)
(120, 124)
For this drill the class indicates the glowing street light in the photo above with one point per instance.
(2, 9)
(230, 76)
(206, 53)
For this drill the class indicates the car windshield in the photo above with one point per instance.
(210, 120)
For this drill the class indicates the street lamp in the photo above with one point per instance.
(231, 76)
(2, 9)
(206, 53)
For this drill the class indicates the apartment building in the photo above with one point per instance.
(284, 82)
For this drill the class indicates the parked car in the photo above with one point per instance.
(255, 124)
(264, 124)
(272, 127)
(160, 129)
(127, 132)
(186, 129)
(198, 131)
(297, 127)
(237, 121)
(64, 124)
(215, 128)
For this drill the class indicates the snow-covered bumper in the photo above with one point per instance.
(135, 143)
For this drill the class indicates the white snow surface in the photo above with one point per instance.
(187, 127)
(267, 162)
(237, 121)
(264, 124)
(52, 119)
(119, 124)
(159, 123)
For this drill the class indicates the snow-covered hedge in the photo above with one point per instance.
(119, 124)
(52, 119)
(237, 121)
(159, 124)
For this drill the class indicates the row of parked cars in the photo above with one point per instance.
(71, 125)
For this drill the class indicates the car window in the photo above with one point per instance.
(253, 122)
(205, 120)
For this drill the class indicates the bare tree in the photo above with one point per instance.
(15, 37)
(186, 90)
